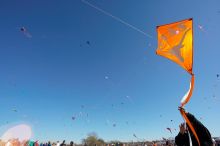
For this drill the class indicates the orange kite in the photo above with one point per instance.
(175, 42)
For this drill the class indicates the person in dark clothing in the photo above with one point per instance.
(49, 144)
(71, 143)
(63, 143)
(204, 136)
(168, 143)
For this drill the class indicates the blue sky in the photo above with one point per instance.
(116, 78)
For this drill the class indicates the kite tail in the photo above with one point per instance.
(184, 101)
(189, 124)
(188, 95)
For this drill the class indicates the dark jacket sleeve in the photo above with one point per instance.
(202, 132)
(182, 139)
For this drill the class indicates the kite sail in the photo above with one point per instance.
(175, 42)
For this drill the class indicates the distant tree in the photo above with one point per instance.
(101, 142)
(93, 140)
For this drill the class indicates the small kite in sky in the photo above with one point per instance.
(129, 99)
(135, 135)
(114, 125)
(14, 110)
(201, 28)
(73, 118)
(169, 129)
(88, 43)
(25, 32)
(217, 75)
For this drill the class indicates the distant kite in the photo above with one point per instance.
(14, 110)
(135, 135)
(201, 28)
(169, 129)
(73, 118)
(25, 32)
(88, 43)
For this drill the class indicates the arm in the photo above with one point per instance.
(202, 132)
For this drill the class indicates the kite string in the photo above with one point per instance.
(116, 18)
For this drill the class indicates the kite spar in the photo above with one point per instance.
(175, 42)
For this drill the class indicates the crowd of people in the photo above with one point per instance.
(16, 142)
(185, 137)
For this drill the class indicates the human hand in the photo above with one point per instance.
(182, 128)
(181, 109)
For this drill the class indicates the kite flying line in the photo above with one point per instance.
(116, 18)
